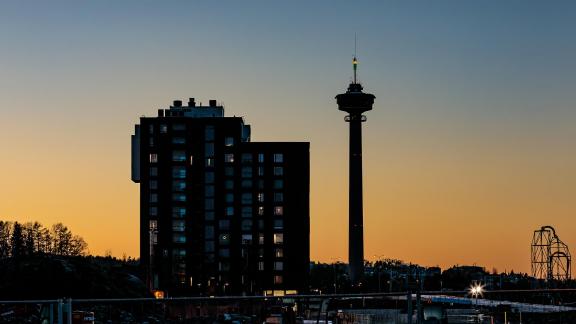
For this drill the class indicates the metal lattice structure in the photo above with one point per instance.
(550, 256)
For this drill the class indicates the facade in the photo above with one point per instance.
(219, 214)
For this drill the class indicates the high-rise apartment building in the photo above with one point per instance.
(220, 214)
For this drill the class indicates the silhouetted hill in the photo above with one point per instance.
(51, 277)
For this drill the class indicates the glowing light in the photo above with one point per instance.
(476, 289)
(158, 294)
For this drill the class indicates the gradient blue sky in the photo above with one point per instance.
(470, 146)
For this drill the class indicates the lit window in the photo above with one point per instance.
(278, 158)
(246, 238)
(178, 140)
(153, 171)
(191, 159)
(209, 177)
(278, 238)
(178, 225)
(153, 158)
(229, 141)
(229, 184)
(209, 162)
(260, 171)
(261, 158)
(209, 232)
(153, 211)
(260, 210)
(179, 252)
(179, 172)
(178, 185)
(229, 158)
(154, 238)
(208, 246)
(278, 171)
(178, 197)
(260, 252)
(229, 211)
(209, 149)
(278, 265)
(209, 133)
(278, 224)
(261, 266)
(178, 238)
(246, 198)
(224, 239)
(178, 212)
(178, 156)
(224, 224)
(277, 280)
(278, 210)
(163, 128)
(246, 172)
(246, 212)
(246, 225)
(279, 252)
(261, 239)
(260, 197)
(278, 184)
(278, 197)
(153, 184)
(208, 191)
(153, 198)
(153, 225)
(246, 158)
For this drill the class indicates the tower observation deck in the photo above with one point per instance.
(355, 103)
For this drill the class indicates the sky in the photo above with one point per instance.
(469, 148)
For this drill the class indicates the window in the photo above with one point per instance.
(246, 239)
(209, 246)
(209, 177)
(260, 210)
(209, 133)
(178, 156)
(229, 171)
(178, 212)
(178, 127)
(224, 253)
(179, 253)
(229, 141)
(178, 185)
(247, 172)
(246, 198)
(224, 239)
(277, 280)
(260, 197)
(153, 158)
(278, 171)
(209, 215)
(209, 232)
(246, 212)
(246, 184)
(278, 184)
(151, 141)
(278, 238)
(246, 225)
(209, 204)
(191, 159)
(153, 171)
(153, 184)
(178, 225)
(261, 239)
(223, 266)
(178, 140)
(153, 211)
(261, 224)
(278, 197)
(229, 184)
(209, 258)
(208, 191)
(261, 158)
(153, 198)
(154, 238)
(260, 184)
(178, 238)
(260, 171)
(151, 129)
(278, 224)
(163, 128)
(229, 211)
(246, 158)
(153, 225)
(260, 265)
(279, 252)
(230, 198)
(179, 197)
(278, 265)
(278, 210)
(224, 224)
(179, 172)
(278, 158)
(229, 158)
(209, 162)
(209, 149)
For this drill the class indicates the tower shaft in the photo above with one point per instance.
(355, 208)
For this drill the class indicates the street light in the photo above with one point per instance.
(476, 289)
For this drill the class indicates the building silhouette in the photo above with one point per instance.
(220, 214)
(355, 103)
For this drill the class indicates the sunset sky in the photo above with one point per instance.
(469, 148)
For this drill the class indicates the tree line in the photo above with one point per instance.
(29, 239)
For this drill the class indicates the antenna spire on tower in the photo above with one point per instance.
(355, 61)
